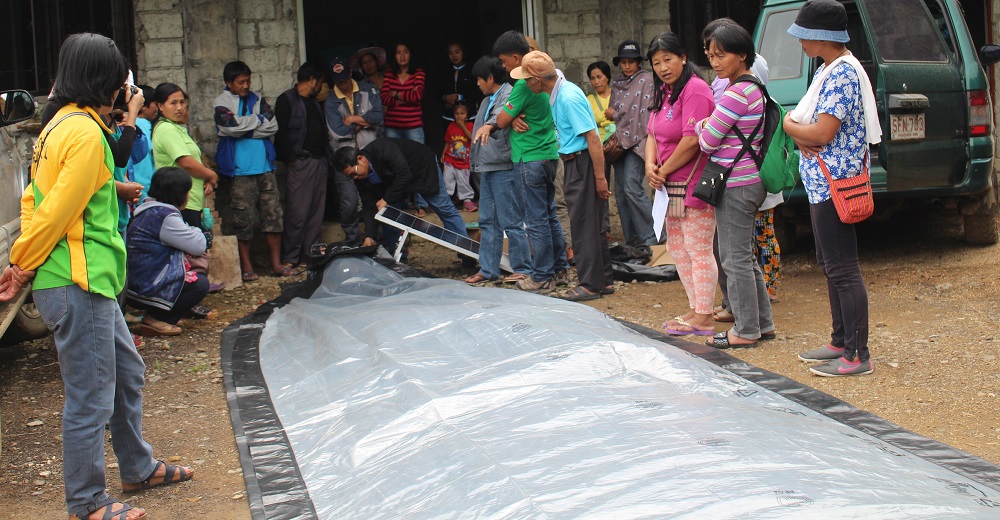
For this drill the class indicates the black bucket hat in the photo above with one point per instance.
(822, 20)
(628, 49)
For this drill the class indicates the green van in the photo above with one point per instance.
(933, 103)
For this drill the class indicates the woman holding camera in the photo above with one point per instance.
(71, 248)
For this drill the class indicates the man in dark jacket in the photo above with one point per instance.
(385, 172)
(301, 143)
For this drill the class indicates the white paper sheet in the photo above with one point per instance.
(659, 211)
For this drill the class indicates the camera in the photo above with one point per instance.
(121, 100)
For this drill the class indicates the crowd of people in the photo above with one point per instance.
(116, 211)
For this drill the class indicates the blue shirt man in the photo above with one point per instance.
(585, 187)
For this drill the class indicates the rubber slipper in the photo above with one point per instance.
(608, 290)
(579, 294)
(768, 336)
(287, 270)
(250, 277)
(675, 321)
(476, 278)
(693, 330)
(215, 287)
(721, 342)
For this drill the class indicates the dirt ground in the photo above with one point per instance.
(933, 339)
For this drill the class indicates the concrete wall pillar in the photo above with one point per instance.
(189, 42)
(578, 32)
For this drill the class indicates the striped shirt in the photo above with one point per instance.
(741, 105)
(397, 113)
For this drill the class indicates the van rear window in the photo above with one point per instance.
(781, 50)
(905, 31)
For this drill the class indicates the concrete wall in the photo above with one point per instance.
(188, 42)
(578, 32)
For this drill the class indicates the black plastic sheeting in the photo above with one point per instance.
(276, 489)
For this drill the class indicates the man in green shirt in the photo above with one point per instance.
(534, 151)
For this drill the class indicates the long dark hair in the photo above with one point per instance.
(91, 69)
(394, 66)
(160, 95)
(669, 42)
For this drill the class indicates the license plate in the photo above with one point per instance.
(907, 126)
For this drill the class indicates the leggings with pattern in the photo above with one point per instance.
(689, 241)
(767, 250)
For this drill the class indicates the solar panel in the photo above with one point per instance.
(410, 224)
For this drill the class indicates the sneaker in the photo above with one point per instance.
(842, 367)
(530, 285)
(470, 206)
(561, 279)
(825, 353)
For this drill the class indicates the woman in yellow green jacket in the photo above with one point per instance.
(70, 246)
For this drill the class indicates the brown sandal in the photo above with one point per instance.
(182, 473)
(514, 278)
(154, 327)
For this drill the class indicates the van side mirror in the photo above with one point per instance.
(16, 106)
(989, 54)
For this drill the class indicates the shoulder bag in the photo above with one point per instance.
(676, 191)
(612, 146)
(851, 196)
(712, 183)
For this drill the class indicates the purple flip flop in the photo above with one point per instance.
(695, 331)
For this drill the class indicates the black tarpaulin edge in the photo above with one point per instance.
(276, 489)
(966, 464)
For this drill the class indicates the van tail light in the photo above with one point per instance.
(980, 115)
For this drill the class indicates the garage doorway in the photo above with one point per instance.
(340, 28)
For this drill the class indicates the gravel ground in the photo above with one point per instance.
(934, 337)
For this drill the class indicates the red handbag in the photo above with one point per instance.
(851, 196)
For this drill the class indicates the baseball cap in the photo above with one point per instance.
(338, 70)
(535, 64)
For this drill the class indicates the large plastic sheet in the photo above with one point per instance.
(420, 398)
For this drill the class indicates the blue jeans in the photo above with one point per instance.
(500, 212)
(413, 134)
(103, 375)
(545, 234)
(735, 217)
(634, 208)
(442, 205)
